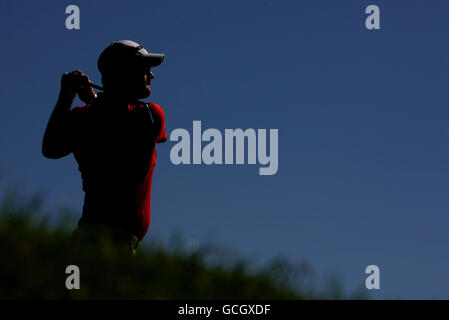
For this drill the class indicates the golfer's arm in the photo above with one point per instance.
(57, 142)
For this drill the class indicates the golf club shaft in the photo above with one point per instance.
(95, 86)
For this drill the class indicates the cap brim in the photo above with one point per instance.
(152, 59)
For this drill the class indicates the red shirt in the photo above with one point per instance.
(115, 147)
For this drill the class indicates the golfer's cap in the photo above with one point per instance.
(125, 51)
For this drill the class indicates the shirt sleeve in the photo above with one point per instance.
(159, 112)
(59, 138)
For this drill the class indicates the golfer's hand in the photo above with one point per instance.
(77, 82)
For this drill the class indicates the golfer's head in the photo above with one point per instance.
(126, 69)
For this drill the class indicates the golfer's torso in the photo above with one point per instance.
(113, 151)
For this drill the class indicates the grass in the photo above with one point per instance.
(34, 254)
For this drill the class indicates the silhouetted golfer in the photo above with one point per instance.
(113, 138)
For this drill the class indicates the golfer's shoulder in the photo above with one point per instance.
(157, 110)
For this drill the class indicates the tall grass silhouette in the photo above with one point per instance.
(34, 253)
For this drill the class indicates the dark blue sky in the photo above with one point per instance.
(362, 118)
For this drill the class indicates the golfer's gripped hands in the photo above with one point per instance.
(76, 82)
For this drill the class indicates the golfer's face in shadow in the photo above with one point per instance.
(139, 85)
(133, 81)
